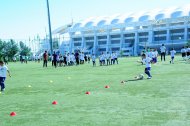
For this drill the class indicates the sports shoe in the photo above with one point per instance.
(149, 78)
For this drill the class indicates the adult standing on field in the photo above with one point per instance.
(163, 52)
(45, 58)
(55, 59)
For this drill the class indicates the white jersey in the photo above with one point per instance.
(3, 71)
(188, 49)
(68, 58)
(112, 56)
(81, 56)
(156, 53)
(72, 58)
(107, 56)
(115, 55)
(61, 58)
(172, 53)
(163, 49)
(183, 50)
(147, 62)
(93, 58)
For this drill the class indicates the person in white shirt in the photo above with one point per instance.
(72, 57)
(116, 57)
(103, 59)
(68, 59)
(172, 53)
(163, 52)
(61, 61)
(82, 58)
(156, 55)
(183, 53)
(147, 61)
(94, 60)
(108, 58)
(112, 58)
(3, 74)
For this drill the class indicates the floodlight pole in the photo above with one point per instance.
(49, 23)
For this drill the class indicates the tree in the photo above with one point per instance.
(2, 48)
(10, 49)
(24, 50)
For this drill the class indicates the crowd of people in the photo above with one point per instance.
(70, 59)
(149, 56)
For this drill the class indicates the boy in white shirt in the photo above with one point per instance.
(172, 53)
(147, 62)
(108, 58)
(94, 60)
(112, 58)
(116, 57)
(183, 53)
(3, 74)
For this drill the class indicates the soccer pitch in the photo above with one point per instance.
(162, 101)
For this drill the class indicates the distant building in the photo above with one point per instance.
(132, 32)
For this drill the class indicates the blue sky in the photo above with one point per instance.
(21, 19)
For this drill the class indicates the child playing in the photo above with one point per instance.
(147, 61)
(172, 53)
(3, 75)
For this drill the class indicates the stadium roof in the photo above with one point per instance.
(157, 14)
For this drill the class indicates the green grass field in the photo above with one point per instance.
(162, 101)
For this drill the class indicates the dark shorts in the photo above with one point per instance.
(172, 57)
(147, 68)
(188, 53)
(183, 54)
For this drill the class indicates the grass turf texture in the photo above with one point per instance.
(163, 100)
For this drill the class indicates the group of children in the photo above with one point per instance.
(106, 59)
(149, 57)
(70, 59)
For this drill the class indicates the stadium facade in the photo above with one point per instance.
(130, 33)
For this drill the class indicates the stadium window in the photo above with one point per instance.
(115, 36)
(90, 44)
(129, 35)
(115, 41)
(143, 39)
(102, 37)
(160, 32)
(89, 38)
(77, 44)
(77, 39)
(177, 31)
(128, 41)
(177, 37)
(102, 42)
(115, 49)
(143, 34)
(162, 38)
(188, 29)
(102, 49)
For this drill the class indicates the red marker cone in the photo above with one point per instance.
(87, 92)
(54, 102)
(13, 114)
(107, 86)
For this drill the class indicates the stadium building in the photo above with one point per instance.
(130, 33)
